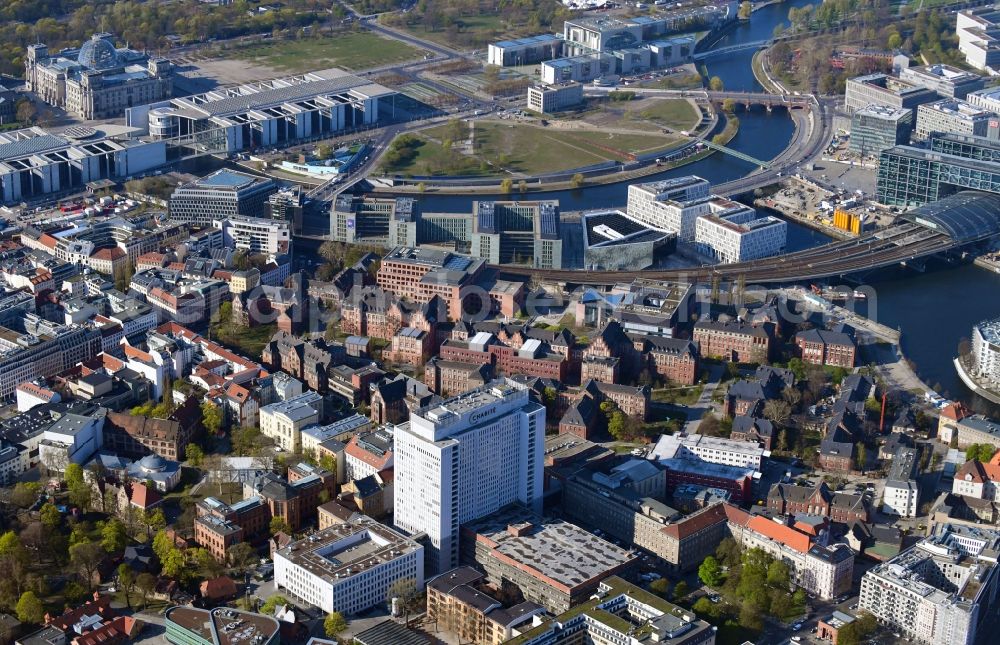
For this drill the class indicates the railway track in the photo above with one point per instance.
(876, 250)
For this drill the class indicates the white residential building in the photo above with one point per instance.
(256, 234)
(285, 420)
(901, 494)
(368, 453)
(732, 232)
(714, 450)
(938, 590)
(986, 350)
(348, 567)
(465, 458)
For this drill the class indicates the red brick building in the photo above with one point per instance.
(825, 347)
(672, 358)
(448, 378)
(732, 341)
(788, 499)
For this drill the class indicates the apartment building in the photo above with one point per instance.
(986, 350)
(255, 235)
(937, 590)
(456, 604)
(368, 453)
(789, 499)
(902, 493)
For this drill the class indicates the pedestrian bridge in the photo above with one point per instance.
(732, 49)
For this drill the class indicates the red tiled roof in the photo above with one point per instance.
(47, 240)
(115, 631)
(221, 587)
(736, 515)
(100, 605)
(144, 497)
(108, 253)
(691, 524)
(137, 354)
(780, 533)
(359, 453)
(955, 411)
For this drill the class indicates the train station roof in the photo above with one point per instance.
(964, 217)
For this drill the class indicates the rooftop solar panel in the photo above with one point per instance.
(457, 263)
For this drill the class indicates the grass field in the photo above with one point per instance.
(360, 50)
(475, 32)
(676, 114)
(526, 149)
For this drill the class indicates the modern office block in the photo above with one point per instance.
(224, 193)
(875, 128)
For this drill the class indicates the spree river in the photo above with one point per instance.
(934, 310)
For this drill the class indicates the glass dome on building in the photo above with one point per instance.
(98, 53)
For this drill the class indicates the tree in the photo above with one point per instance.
(26, 111)
(194, 454)
(660, 587)
(777, 411)
(241, 555)
(406, 590)
(126, 581)
(211, 417)
(162, 545)
(982, 452)
(506, 185)
(175, 564)
(114, 536)
(616, 425)
(73, 475)
(710, 572)
(778, 575)
(746, 9)
(334, 624)
(146, 582)
(81, 496)
(750, 618)
(781, 605)
(208, 566)
(279, 525)
(680, 590)
(729, 552)
(895, 41)
(30, 609)
(705, 608)
(856, 632)
(10, 546)
(729, 106)
(860, 455)
(86, 557)
(324, 151)
(50, 516)
(577, 180)
(271, 603)
(155, 521)
(25, 494)
(715, 84)
(74, 592)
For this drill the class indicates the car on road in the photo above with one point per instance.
(796, 627)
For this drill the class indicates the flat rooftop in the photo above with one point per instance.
(224, 625)
(343, 550)
(550, 548)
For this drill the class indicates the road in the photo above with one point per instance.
(695, 413)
